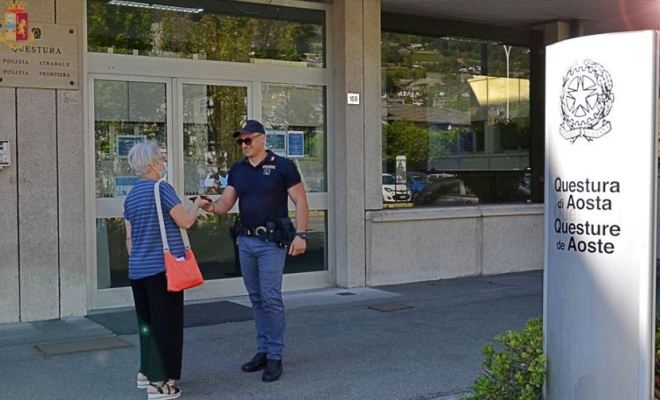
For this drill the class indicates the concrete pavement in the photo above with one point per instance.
(338, 346)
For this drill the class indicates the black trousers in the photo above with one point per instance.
(160, 326)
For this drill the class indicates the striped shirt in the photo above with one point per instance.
(146, 258)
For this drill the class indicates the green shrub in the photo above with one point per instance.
(518, 370)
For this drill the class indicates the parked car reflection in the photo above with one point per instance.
(445, 191)
(416, 182)
(393, 192)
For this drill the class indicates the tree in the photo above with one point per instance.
(403, 138)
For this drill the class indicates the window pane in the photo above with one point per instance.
(315, 258)
(294, 118)
(111, 253)
(456, 122)
(214, 248)
(211, 114)
(125, 113)
(217, 255)
(223, 30)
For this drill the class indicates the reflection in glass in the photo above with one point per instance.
(315, 258)
(294, 118)
(458, 110)
(211, 114)
(125, 113)
(215, 247)
(111, 253)
(226, 30)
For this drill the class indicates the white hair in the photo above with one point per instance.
(142, 155)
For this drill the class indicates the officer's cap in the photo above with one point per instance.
(251, 126)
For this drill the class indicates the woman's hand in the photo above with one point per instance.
(185, 219)
(201, 203)
(208, 206)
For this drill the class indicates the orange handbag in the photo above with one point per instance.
(182, 273)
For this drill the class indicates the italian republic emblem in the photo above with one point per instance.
(586, 99)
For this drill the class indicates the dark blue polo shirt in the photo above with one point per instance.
(262, 190)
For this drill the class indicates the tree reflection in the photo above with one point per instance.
(206, 36)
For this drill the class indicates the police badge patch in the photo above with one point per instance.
(267, 168)
(586, 99)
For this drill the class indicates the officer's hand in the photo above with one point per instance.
(202, 203)
(298, 246)
(206, 205)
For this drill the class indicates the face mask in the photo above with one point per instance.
(163, 173)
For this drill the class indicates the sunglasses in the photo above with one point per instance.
(247, 140)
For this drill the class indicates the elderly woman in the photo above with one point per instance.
(159, 312)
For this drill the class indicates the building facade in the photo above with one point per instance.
(419, 137)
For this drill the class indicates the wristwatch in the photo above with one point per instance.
(302, 235)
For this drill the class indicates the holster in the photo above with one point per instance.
(235, 229)
(287, 231)
(272, 234)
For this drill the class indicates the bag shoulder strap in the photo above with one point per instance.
(161, 222)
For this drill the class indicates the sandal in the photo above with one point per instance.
(142, 381)
(163, 391)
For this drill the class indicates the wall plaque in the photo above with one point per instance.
(37, 54)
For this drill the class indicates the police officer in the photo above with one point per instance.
(262, 181)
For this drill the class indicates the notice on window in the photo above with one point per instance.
(276, 142)
(126, 142)
(295, 144)
(37, 54)
(124, 184)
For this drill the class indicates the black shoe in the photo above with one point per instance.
(273, 371)
(257, 363)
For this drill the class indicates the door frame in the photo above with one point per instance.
(175, 73)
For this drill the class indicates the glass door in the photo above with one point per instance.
(125, 111)
(209, 116)
(210, 113)
(193, 120)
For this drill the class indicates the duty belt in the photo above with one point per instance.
(257, 231)
(280, 232)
